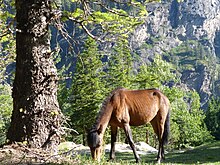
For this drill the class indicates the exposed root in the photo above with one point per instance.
(20, 154)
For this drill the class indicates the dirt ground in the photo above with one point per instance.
(19, 154)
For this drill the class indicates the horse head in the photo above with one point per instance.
(94, 139)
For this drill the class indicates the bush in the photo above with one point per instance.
(5, 111)
(212, 119)
(187, 121)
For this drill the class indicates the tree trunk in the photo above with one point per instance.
(36, 115)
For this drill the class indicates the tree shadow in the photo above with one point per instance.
(208, 153)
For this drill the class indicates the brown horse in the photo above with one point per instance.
(125, 108)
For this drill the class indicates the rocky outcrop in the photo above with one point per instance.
(169, 24)
(141, 147)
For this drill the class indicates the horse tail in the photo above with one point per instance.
(166, 129)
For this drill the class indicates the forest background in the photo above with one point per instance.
(92, 62)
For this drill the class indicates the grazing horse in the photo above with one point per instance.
(124, 108)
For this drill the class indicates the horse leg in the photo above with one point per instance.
(128, 133)
(160, 151)
(158, 130)
(114, 131)
(161, 155)
(161, 136)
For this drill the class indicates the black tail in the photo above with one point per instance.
(166, 129)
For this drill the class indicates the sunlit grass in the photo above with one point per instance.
(206, 154)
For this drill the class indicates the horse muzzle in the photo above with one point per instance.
(96, 153)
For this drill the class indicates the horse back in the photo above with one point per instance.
(138, 107)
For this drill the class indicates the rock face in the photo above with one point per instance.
(171, 24)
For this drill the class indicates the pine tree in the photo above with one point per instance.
(155, 74)
(119, 69)
(87, 88)
(212, 119)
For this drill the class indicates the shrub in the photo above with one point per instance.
(5, 110)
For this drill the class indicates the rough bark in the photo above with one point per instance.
(36, 115)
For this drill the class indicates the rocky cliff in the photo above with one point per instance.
(193, 26)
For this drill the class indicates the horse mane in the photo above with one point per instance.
(105, 103)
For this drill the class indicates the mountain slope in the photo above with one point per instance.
(186, 34)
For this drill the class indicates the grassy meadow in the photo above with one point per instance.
(205, 154)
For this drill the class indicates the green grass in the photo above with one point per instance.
(206, 154)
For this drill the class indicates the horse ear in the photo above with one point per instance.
(100, 129)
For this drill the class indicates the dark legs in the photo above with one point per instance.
(114, 131)
(158, 129)
(160, 155)
(128, 133)
(130, 141)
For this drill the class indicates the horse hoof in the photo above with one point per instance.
(158, 161)
(111, 160)
(138, 160)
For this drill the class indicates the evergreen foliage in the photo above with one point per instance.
(87, 88)
(190, 55)
(5, 111)
(155, 74)
(188, 128)
(7, 40)
(119, 67)
(212, 118)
